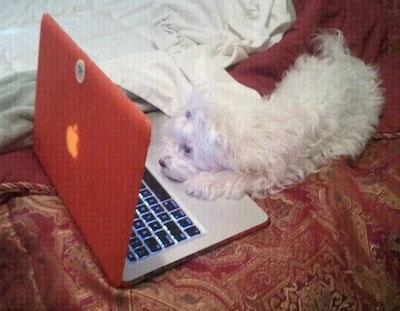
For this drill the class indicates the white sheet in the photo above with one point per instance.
(156, 49)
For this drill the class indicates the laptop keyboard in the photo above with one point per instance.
(159, 222)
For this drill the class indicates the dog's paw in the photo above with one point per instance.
(201, 189)
(196, 192)
(210, 186)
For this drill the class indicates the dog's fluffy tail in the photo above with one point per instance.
(330, 44)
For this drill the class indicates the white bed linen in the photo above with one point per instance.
(156, 49)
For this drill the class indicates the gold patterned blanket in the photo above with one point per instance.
(333, 244)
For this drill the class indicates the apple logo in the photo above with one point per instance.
(72, 140)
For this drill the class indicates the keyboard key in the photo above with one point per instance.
(145, 193)
(131, 256)
(164, 217)
(175, 231)
(142, 209)
(135, 242)
(151, 200)
(154, 185)
(170, 205)
(144, 233)
(139, 202)
(149, 217)
(185, 222)
(155, 226)
(138, 224)
(152, 244)
(192, 231)
(165, 239)
(178, 214)
(141, 252)
(157, 209)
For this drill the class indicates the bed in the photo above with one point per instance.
(333, 242)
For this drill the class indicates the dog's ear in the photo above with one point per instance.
(217, 140)
(217, 136)
(211, 134)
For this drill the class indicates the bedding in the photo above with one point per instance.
(154, 49)
(17, 97)
(333, 242)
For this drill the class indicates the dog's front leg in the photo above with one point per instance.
(212, 185)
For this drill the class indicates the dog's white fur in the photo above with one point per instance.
(326, 106)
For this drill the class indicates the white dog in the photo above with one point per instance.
(326, 106)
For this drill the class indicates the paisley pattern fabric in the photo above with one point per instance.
(333, 243)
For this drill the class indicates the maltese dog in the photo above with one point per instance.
(326, 106)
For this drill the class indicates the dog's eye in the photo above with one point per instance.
(188, 114)
(187, 149)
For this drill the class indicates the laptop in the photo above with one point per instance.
(101, 153)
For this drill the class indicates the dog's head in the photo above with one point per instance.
(214, 137)
(195, 141)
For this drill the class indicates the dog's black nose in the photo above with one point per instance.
(162, 162)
